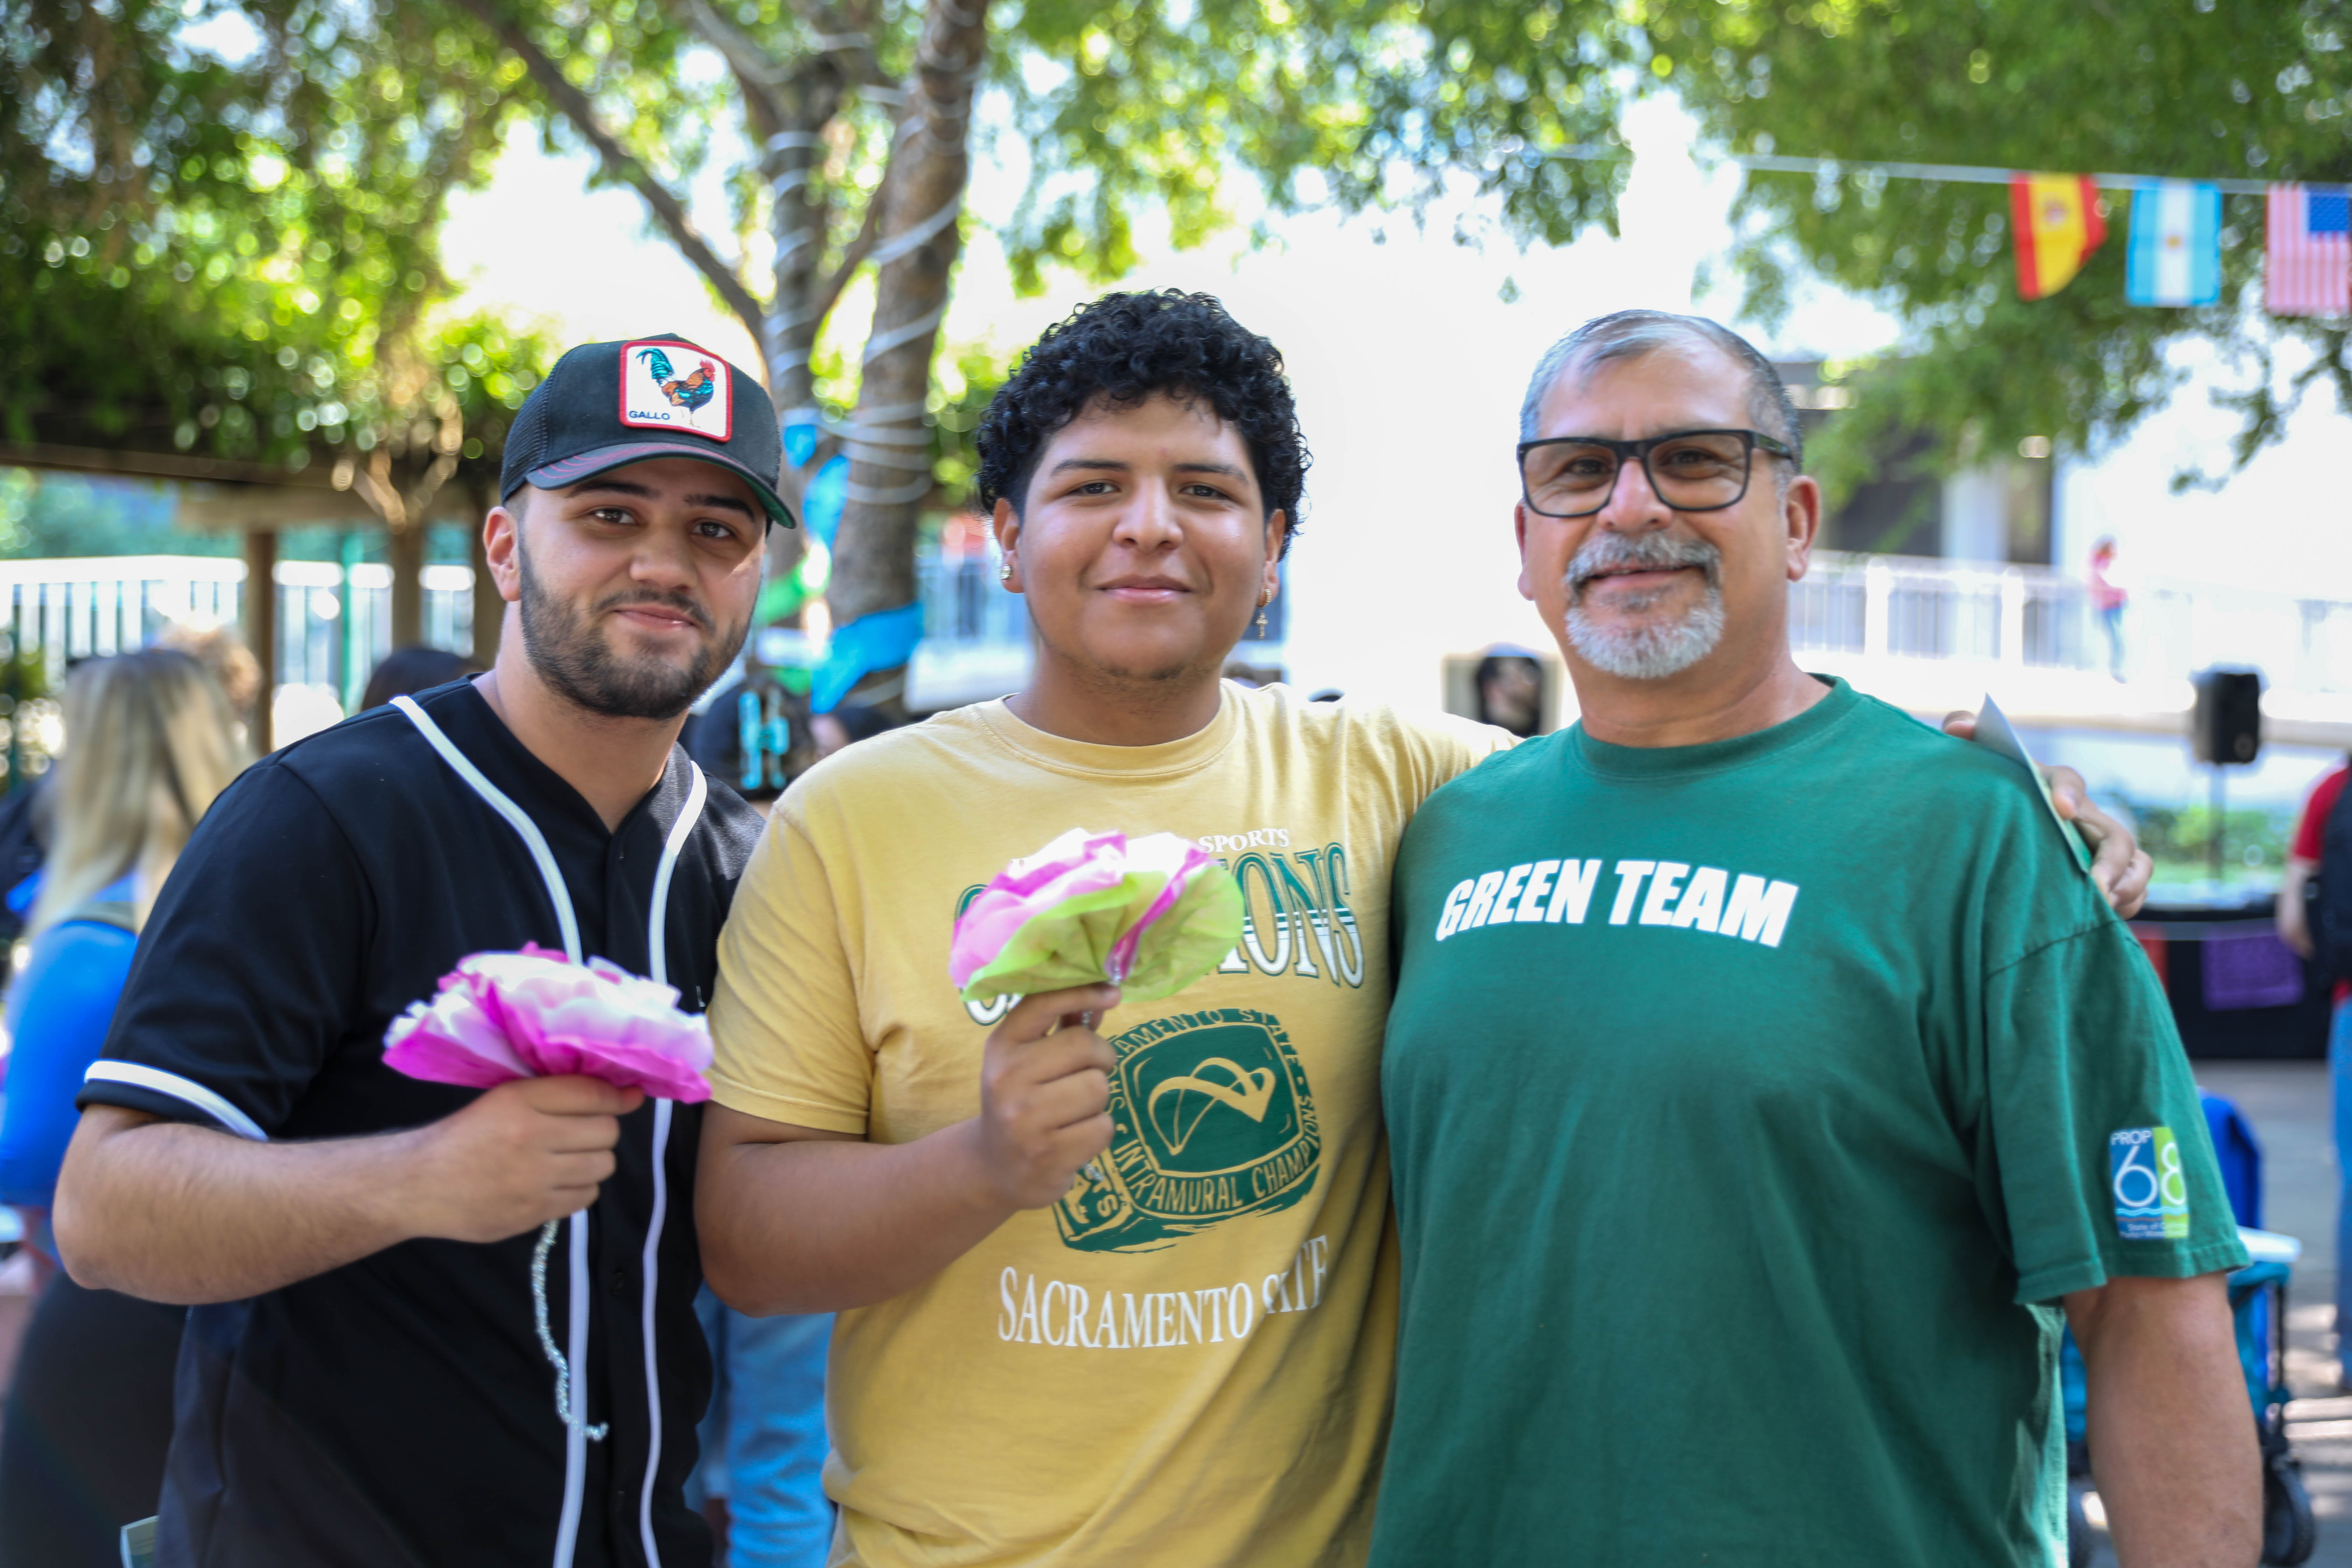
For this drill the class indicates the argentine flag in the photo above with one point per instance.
(2176, 245)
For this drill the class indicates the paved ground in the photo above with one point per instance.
(2288, 1104)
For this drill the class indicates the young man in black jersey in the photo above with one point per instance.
(365, 1382)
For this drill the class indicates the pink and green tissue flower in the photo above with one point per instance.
(1149, 915)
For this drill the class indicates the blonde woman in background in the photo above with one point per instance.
(150, 740)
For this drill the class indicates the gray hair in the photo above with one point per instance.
(1636, 334)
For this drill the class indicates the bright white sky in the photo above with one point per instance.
(1409, 368)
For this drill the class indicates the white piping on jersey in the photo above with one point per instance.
(575, 1430)
(155, 1080)
(656, 946)
(575, 1440)
(657, 952)
(517, 818)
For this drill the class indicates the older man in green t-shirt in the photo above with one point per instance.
(1751, 1145)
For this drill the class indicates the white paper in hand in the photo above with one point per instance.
(1995, 733)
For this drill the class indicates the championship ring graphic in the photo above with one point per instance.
(1211, 1118)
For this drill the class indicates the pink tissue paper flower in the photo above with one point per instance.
(534, 1014)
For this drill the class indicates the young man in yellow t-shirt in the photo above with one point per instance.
(1121, 1295)
(1115, 1295)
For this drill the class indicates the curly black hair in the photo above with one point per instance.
(1125, 348)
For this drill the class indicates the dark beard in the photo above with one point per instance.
(579, 664)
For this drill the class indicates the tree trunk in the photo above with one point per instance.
(405, 549)
(889, 445)
(797, 227)
(261, 632)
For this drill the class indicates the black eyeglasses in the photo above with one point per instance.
(1691, 470)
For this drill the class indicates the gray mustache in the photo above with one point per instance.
(1644, 552)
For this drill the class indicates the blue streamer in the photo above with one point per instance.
(883, 640)
(799, 441)
(822, 502)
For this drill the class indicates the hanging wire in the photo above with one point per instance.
(1952, 174)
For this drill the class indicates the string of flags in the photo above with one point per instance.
(2173, 255)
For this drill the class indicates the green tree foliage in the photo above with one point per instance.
(840, 129)
(1354, 104)
(1133, 107)
(236, 258)
(2258, 89)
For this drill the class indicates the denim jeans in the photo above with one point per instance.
(2339, 1070)
(763, 1441)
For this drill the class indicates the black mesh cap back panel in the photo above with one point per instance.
(526, 439)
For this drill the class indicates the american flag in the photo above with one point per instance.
(2309, 270)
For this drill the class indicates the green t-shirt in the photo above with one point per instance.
(1751, 1105)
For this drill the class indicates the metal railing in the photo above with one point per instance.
(333, 621)
(963, 603)
(1894, 606)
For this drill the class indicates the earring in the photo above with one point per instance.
(1262, 603)
(1004, 571)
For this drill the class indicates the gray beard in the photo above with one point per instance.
(580, 665)
(1644, 652)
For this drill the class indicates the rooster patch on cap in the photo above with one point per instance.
(689, 392)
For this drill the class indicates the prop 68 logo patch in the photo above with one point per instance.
(2151, 1190)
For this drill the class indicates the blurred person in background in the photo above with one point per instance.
(759, 1482)
(2109, 599)
(787, 746)
(405, 672)
(24, 815)
(152, 742)
(762, 1479)
(1510, 692)
(845, 726)
(23, 845)
(224, 657)
(2326, 816)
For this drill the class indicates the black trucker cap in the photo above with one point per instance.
(605, 406)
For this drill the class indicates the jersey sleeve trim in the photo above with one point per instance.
(172, 1086)
(2088, 1274)
(784, 1108)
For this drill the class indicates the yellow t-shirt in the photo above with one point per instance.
(1188, 1363)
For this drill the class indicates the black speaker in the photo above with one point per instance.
(2226, 726)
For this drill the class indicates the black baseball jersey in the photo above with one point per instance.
(400, 1411)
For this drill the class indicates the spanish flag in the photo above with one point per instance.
(2058, 225)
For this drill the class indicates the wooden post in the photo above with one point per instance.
(490, 610)
(406, 549)
(261, 631)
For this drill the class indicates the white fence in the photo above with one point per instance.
(333, 621)
(1902, 607)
